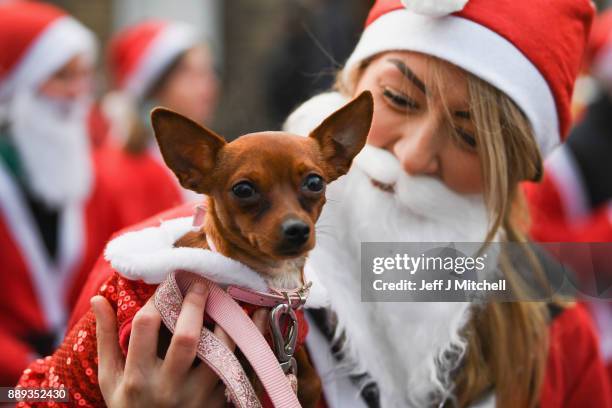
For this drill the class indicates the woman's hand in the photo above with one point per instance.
(144, 380)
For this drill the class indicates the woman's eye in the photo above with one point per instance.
(314, 183)
(244, 189)
(467, 138)
(399, 100)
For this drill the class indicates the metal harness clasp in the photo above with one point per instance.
(284, 347)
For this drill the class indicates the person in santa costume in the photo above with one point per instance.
(466, 107)
(55, 216)
(574, 201)
(153, 63)
(467, 104)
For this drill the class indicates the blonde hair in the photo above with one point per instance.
(507, 342)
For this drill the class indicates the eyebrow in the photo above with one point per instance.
(407, 72)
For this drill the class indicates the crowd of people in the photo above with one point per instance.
(75, 170)
(475, 138)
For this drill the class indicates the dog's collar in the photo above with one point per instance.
(294, 298)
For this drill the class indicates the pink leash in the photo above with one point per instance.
(223, 309)
(239, 326)
(231, 317)
(168, 300)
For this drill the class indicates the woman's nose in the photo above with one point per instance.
(418, 150)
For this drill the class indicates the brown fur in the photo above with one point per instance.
(276, 165)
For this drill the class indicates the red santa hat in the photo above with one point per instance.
(36, 40)
(140, 53)
(529, 49)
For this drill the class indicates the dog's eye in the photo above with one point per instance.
(314, 183)
(244, 189)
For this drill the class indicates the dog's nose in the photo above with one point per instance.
(295, 231)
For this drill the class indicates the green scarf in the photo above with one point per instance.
(9, 155)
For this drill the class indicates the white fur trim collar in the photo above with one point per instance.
(149, 255)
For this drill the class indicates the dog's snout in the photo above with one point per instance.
(295, 231)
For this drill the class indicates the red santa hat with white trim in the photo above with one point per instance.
(36, 40)
(529, 49)
(140, 53)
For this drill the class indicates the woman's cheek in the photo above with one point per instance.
(385, 126)
(462, 172)
(376, 135)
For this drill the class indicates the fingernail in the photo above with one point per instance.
(198, 288)
(94, 304)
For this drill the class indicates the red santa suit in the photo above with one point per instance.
(128, 189)
(561, 212)
(575, 376)
(38, 289)
(36, 293)
(136, 262)
(138, 184)
(560, 206)
(574, 201)
(98, 126)
(139, 55)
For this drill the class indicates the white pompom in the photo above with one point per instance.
(434, 8)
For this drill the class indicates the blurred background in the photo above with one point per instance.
(270, 54)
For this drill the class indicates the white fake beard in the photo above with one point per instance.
(53, 146)
(408, 348)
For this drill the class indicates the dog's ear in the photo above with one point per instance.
(343, 134)
(188, 149)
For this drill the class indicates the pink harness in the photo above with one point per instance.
(277, 372)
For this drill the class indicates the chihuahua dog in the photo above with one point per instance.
(265, 192)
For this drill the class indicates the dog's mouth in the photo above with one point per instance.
(292, 252)
(387, 188)
(279, 251)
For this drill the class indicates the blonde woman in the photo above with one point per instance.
(466, 107)
(467, 104)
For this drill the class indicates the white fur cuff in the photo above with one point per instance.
(150, 255)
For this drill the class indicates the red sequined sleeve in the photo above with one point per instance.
(74, 364)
